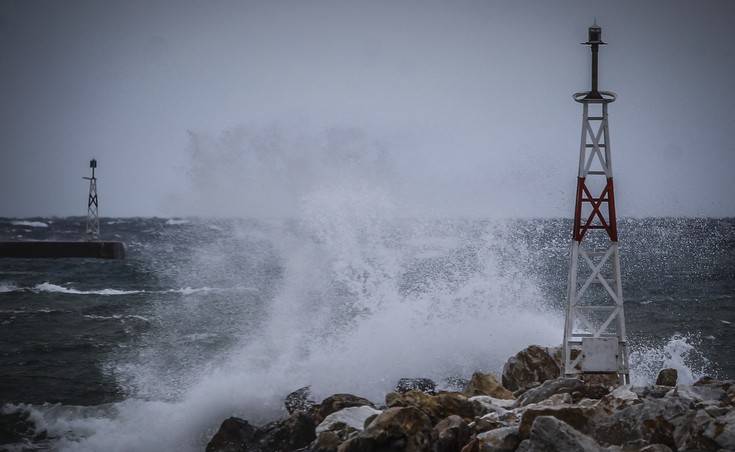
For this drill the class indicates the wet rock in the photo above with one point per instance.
(667, 377)
(353, 417)
(549, 388)
(299, 400)
(489, 404)
(294, 432)
(528, 368)
(416, 384)
(233, 436)
(395, 429)
(487, 385)
(504, 439)
(722, 431)
(437, 407)
(450, 434)
(337, 402)
(549, 434)
(701, 393)
(664, 421)
(484, 424)
(575, 416)
(330, 440)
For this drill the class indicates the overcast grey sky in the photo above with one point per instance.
(454, 108)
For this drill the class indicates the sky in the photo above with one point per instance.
(458, 108)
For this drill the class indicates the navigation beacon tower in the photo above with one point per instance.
(594, 331)
(93, 219)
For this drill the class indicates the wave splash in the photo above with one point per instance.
(365, 299)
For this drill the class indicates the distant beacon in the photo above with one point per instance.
(594, 330)
(93, 218)
(90, 247)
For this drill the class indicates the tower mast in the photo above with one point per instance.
(93, 219)
(594, 330)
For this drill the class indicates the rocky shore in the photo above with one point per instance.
(531, 409)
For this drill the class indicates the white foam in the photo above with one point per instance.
(176, 222)
(53, 288)
(679, 353)
(32, 224)
(116, 317)
(6, 287)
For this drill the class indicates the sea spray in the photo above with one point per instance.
(365, 298)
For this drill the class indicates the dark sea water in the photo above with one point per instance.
(206, 318)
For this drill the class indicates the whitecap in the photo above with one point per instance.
(53, 288)
(32, 224)
(176, 222)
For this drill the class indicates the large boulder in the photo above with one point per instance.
(550, 388)
(294, 432)
(399, 429)
(667, 377)
(549, 434)
(486, 385)
(237, 435)
(233, 436)
(450, 434)
(437, 407)
(505, 439)
(575, 416)
(529, 368)
(337, 402)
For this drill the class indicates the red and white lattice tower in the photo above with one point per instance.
(594, 331)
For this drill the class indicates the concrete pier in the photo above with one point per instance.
(58, 249)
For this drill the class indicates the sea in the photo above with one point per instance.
(211, 317)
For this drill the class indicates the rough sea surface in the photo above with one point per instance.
(210, 317)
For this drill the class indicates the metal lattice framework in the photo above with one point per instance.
(594, 331)
(93, 219)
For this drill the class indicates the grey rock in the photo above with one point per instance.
(667, 377)
(294, 432)
(237, 435)
(549, 388)
(575, 416)
(504, 439)
(232, 436)
(722, 431)
(699, 393)
(549, 434)
(664, 421)
(450, 434)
